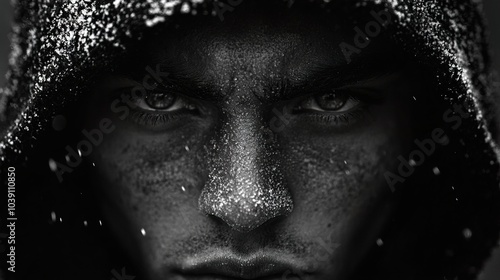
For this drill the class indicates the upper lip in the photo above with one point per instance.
(228, 264)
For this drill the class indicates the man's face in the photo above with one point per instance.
(261, 154)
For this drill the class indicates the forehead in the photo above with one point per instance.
(252, 48)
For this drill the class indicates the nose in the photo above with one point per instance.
(245, 186)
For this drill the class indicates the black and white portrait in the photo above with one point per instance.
(250, 139)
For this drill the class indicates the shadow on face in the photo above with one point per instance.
(251, 147)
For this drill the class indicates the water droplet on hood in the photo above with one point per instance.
(467, 233)
(185, 8)
(436, 171)
(52, 165)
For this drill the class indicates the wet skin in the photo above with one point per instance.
(202, 179)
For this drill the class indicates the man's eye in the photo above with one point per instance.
(334, 101)
(162, 102)
(160, 110)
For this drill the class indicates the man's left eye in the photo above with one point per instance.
(335, 101)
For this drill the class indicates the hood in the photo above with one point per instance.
(58, 45)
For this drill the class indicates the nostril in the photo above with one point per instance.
(244, 223)
(273, 221)
(216, 219)
(246, 213)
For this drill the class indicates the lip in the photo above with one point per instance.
(227, 264)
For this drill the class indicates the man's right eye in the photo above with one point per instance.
(160, 101)
(159, 109)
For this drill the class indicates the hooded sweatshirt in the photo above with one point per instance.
(451, 208)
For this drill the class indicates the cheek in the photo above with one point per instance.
(338, 188)
(331, 178)
(152, 182)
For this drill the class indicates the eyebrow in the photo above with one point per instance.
(330, 75)
(178, 80)
(334, 75)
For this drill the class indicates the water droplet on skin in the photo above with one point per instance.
(380, 242)
(467, 233)
(143, 232)
(436, 171)
(52, 165)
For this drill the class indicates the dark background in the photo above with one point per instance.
(492, 7)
